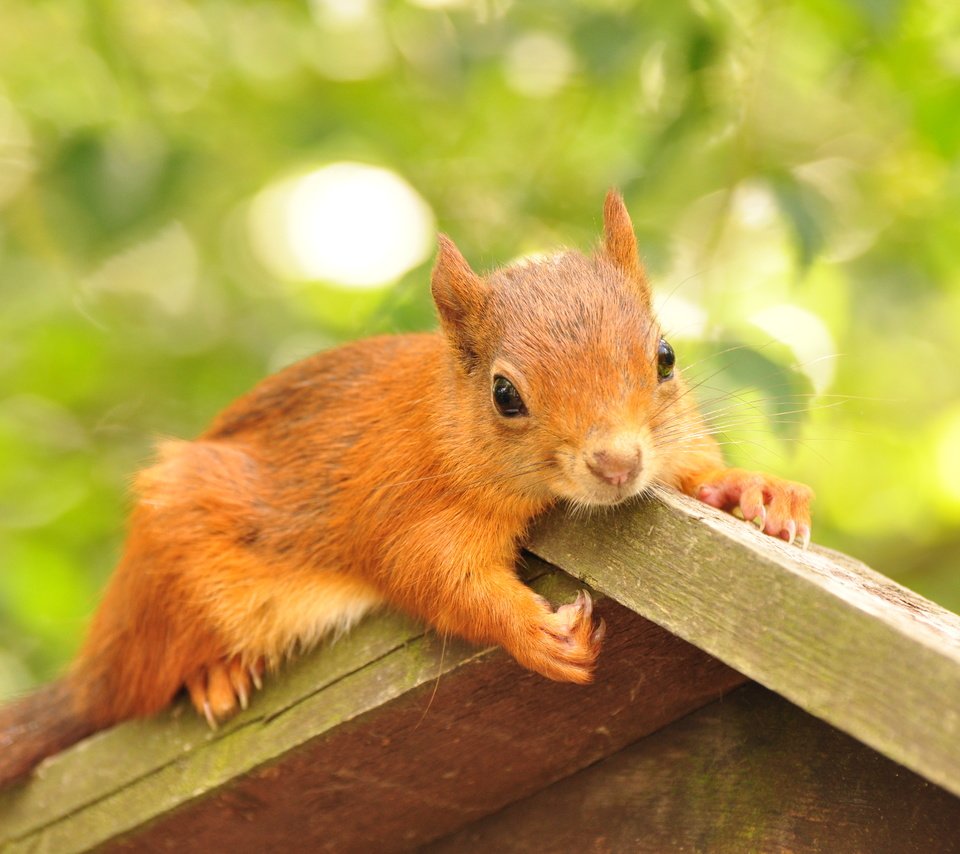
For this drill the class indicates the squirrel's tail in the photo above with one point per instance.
(38, 725)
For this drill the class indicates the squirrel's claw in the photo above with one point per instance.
(780, 508)
(221, 689)
(562, 645)
(256, 674)
(240, 682)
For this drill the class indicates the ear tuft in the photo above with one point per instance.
(460, 296)
(620, 243)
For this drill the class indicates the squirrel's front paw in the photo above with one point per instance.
(218, 690)
(778, 507)
(562, 645)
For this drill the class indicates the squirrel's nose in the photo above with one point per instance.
(615, 468)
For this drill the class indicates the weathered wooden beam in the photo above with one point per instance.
(751, 772)
(823, 630)
(382, 741)
(387, 740)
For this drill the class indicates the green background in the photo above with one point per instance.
(789, 167)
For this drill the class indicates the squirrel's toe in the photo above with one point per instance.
(221, 689)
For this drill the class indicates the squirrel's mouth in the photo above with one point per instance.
(616, 496)
(589, 491)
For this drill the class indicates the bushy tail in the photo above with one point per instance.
(38, 725)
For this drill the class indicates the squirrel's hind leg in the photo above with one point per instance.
(267, 622)
(202, 598)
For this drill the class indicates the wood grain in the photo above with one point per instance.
(839, 640)
(748, 773)
(365, 749)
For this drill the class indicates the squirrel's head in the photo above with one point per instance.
(566, 364)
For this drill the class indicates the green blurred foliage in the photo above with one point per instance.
(791, 167)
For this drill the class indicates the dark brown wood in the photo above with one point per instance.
(385, 740)
(750, 772)
(362, 748)
(819, 628)
(447, 753)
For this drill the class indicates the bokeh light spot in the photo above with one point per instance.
(350, 41)
(164, 267)
(948, 456)
(806, 335)
(16, 156)
(539, 64)
(348, 223)
(679, 316)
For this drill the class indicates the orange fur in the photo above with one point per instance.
(381, 472)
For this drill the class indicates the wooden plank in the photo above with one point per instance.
(748, 773)
(839, 640)
(386, 740)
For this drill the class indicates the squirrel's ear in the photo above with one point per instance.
(620, 243)
(460, 296)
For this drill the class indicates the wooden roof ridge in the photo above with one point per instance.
(392, 737)
(820, 628)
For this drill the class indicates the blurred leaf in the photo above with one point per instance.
(805, 211)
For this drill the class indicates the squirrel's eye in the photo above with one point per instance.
(665, 360)
(507, 399)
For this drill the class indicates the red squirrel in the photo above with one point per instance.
(402, 471)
